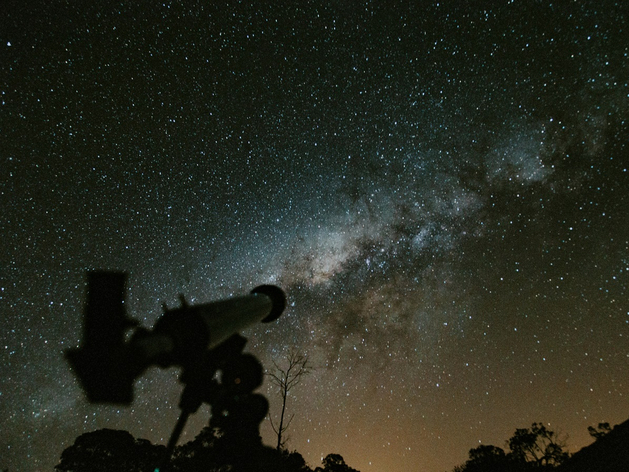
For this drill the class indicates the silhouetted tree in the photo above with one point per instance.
(286, 379)
(537, 445)
(107, 450)
(602, 430)
(487, 459)
(334, 463)
(535, 448)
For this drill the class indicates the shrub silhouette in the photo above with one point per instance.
(107, 450)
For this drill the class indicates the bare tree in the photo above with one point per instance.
(285, 379)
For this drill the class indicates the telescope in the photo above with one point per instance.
(107, 365)
(202, 339)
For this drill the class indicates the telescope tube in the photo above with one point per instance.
(196, 329)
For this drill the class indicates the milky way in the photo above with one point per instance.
(440, 189)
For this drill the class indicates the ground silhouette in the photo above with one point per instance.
(539, 449)
(529, 449)
(609, 453)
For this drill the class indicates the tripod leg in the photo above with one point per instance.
(172, 442)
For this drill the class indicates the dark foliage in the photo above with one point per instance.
(211, 451)
(535, 448)
(602, 430)
(334, 463)
(108, 450)
(486, 459)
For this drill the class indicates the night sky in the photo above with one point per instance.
(441, 188)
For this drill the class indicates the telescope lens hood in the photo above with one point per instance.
(278, 298)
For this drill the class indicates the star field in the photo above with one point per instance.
(441, 189)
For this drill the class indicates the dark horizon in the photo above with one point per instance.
(533, 448)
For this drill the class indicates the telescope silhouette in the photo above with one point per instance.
(202, 339)
(107, 365)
